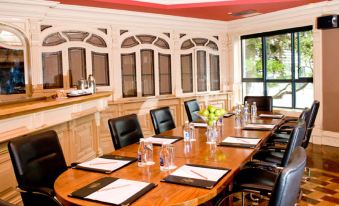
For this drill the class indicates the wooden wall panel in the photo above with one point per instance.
(330, 40)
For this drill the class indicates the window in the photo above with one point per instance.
(128, 71)
(214, 72)
(151, 76)
(100, 68)
(77, 65)
(165, 80)
(52, 67)
(186, 73)
(12, 59)
(200, 68)
(88, 55)
(147, 72)
(201, 71)
(279, 64)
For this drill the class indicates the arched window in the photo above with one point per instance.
(13, 68)
(143, 56)
(86, 52)
(200, 59)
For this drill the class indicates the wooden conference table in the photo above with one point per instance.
(197, 152)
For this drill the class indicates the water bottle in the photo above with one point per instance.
(186, 132)
(246, 112)
(141, 153)
(91, 84)
(164, 157)
(192, 132)
(254, 110)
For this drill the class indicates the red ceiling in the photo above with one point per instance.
(212, 10)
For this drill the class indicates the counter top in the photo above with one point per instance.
(26, 107)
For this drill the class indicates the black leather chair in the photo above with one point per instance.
(277, 157)
(284, 185)
(3, 203)
(310, 126)
(37, 161)
(125, 130)
(264, 103)
(310, 116)
(162, 120)
(192, 107)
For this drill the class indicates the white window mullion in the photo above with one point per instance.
(138, 73)
(156, 73)
(65, 67)
(89, 69)
(194, 72)
(208, 71)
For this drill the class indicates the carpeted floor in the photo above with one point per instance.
(322, 188)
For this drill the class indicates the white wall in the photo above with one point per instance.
(296, 17)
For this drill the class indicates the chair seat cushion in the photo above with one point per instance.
(269, 156)
(255, 179)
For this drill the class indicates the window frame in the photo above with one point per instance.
(157, 51)
(68, 44)
(193, 51)
(294, 62)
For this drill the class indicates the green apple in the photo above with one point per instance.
(218, 113)
(205, 113)
(211, 116)
(210, 123)
(211, 108)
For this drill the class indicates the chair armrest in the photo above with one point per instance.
(270, 166)
(73, 165)
(291, 119)
(36, 190)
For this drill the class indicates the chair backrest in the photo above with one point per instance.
(296, 138)
(125, 130)
(310, 122)
(162, 119)
(37, 159)
(287, 185)
(264, 103)
(192, 107)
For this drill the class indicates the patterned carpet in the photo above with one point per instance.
(320, 190)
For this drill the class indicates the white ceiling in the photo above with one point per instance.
(173, 2)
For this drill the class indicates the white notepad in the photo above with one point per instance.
(276, 116)
(260, 126)
(159, 140)
(199, 173)
(196, 124)
(104, 164)
(241, 140)
(118, 191)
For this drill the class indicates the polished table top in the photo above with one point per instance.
(197, 152)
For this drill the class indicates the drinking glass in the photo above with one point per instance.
(212, 134)
(171, 152)
(149, 152)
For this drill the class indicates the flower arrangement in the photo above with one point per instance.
(211, 114)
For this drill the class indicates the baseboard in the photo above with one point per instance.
(323, 137)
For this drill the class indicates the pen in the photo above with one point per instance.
(112, 188)
(102, 163)
(199, 174)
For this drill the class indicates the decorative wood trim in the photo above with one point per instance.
(91, 110)
(5, 136)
